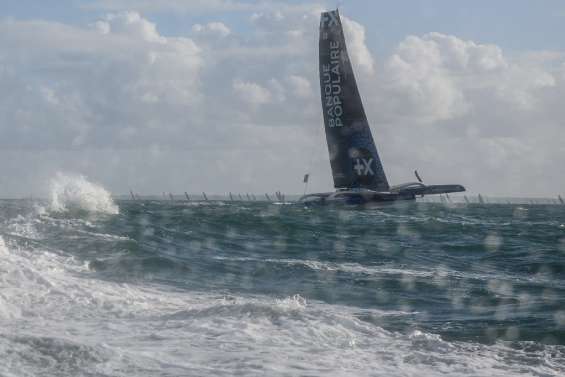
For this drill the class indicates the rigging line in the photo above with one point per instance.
(313, 151)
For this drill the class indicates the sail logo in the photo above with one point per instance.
(331, 82)
(363, 166)
(329, 19)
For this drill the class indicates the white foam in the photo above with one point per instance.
(3, 248)
(75, 192)
(22, 226)
(66, 313)
(55, 312)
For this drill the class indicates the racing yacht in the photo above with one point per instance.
(358, 173)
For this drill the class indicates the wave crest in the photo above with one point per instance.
(75, 192)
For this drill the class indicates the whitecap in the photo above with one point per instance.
(75, 192)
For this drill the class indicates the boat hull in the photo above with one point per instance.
(404, 192)
(353, 198)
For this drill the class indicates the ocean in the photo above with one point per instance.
(90, 286)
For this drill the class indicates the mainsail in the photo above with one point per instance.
(353, 156)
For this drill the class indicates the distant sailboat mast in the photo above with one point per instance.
(305, 181)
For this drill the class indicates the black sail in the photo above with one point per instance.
(353, 155)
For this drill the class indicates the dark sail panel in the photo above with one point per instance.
(353, 155)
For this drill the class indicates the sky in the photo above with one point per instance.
(223, 95)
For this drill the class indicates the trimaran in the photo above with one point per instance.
(357, 170)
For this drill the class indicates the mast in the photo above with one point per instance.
(354, 159)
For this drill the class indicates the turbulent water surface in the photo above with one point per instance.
(155, 288)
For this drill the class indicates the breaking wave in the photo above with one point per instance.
(75, 192)
(167, 289)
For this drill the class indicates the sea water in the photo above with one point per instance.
(93, 287)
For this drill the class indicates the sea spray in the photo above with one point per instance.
(3, 248)
(75, 192)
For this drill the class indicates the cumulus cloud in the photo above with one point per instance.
(213, 29)
(423, 73)
(82, 87)
(485, 112)
(359, 53)
(251, 92)
(224, 109)
(300, 86)
(130, 24)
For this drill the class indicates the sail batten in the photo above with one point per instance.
(353, 155)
